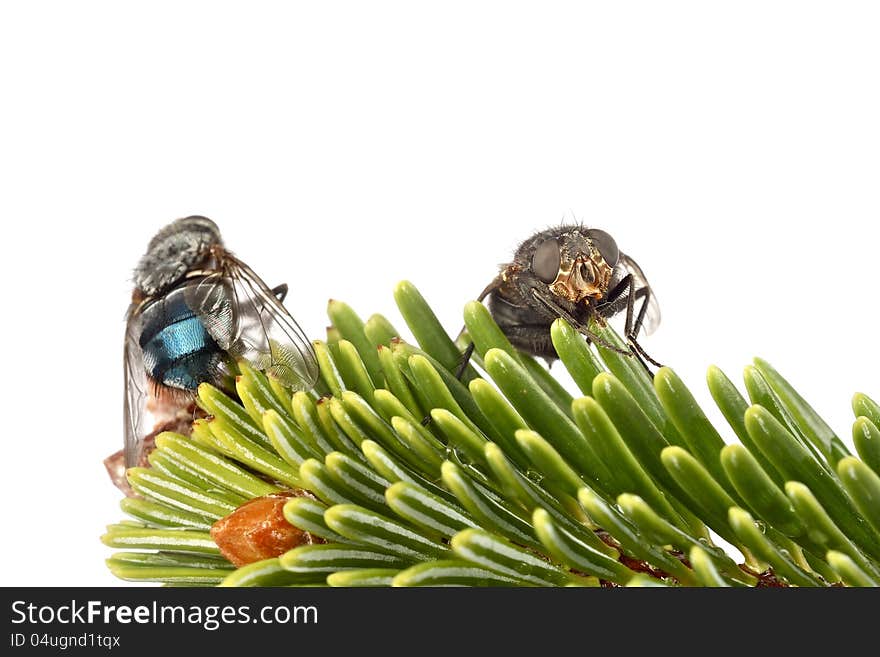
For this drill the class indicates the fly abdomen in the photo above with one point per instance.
(178, 350)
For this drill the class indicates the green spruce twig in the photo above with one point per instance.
(512, 482)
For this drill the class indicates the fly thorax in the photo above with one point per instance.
(181, 246)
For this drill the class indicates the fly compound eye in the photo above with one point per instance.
(606, 245)
(545, 262)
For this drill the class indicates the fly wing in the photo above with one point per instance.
(248, 321)
(652, 313)
(135, 395)
(212, 298)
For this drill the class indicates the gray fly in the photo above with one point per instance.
(575, 273)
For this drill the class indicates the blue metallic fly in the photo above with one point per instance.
(196, 309)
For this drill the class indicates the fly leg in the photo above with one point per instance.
(579, 326)
(633, 332)
(624, 295)
(465, 360)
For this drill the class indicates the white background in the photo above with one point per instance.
(733, 151)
